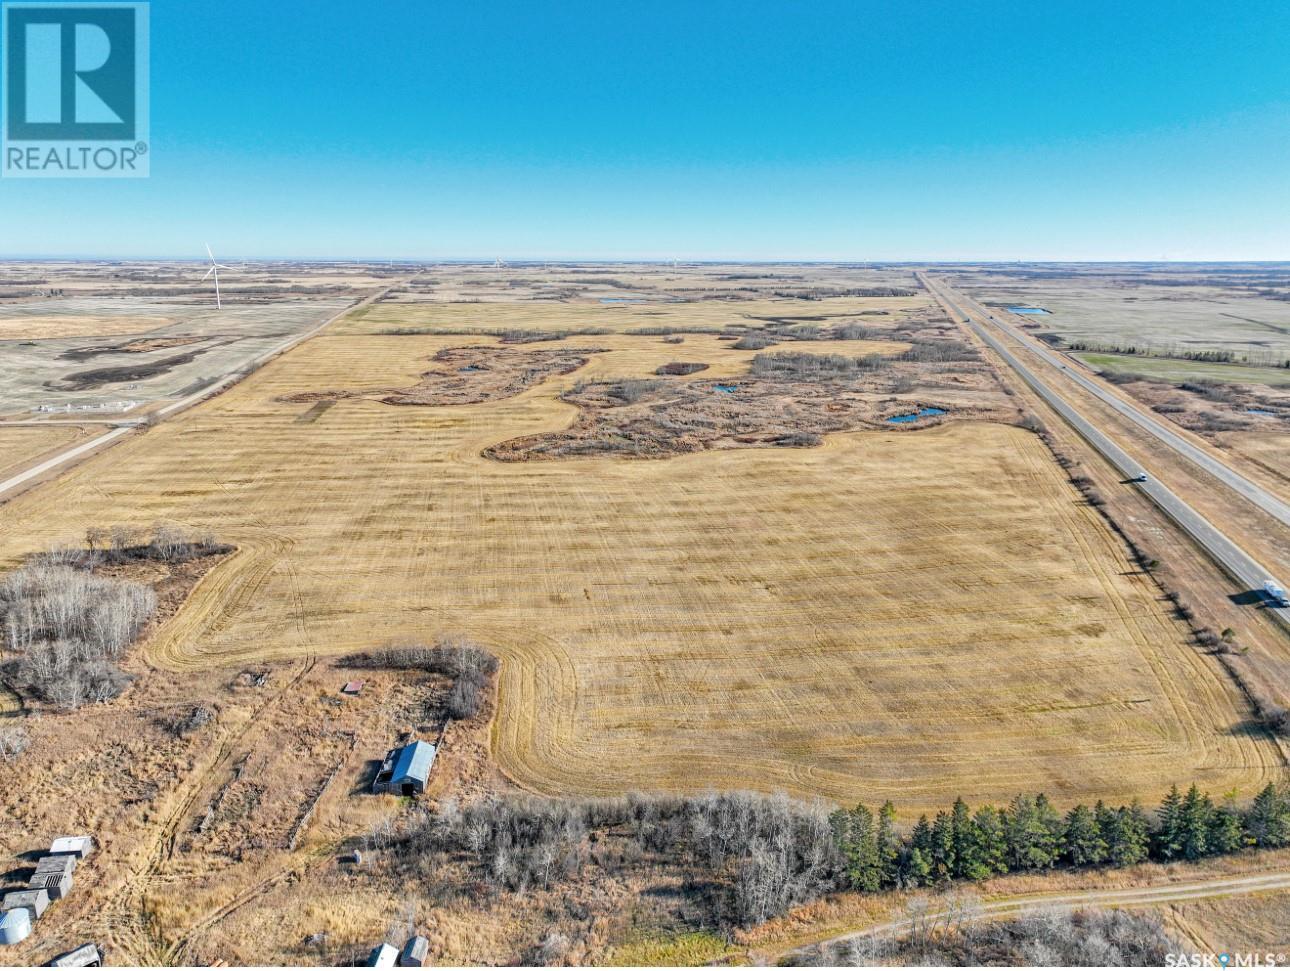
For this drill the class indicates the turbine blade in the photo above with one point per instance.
(208, 273)
(209, 253)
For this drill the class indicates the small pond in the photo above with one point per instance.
(1038, 311)
(914, 416)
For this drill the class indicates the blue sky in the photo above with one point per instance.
(701, 129)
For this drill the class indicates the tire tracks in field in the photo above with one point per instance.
(133, 895)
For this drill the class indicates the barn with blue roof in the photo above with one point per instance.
(405, 770)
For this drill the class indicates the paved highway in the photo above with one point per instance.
(1235, 561)
(1179, 443)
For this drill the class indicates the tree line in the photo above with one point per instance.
(1031, 834)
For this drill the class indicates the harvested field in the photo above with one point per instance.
(21, 324)
(470, 375)
(913, 615)
(22, 446)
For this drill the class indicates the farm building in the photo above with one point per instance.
(405, 770)
(382, 956)
(15, 926)
(85, 956)
(36, 902)
(414, 952)
(78, 846)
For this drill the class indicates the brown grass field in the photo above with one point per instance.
(23, 445)
(46, 326)
(905, 614)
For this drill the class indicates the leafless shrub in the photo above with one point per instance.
(67, 626)
(681, 368)
(631, 390)
(939, 351)
(753, 342)
(797, 366)
(553, 951)
(13, 742)
(468, 664)
(855, 332)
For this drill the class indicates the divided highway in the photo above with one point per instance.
(1234, 561)
(1179, 443)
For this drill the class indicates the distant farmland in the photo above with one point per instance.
(905, 614)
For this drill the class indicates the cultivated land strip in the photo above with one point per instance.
(125, 426)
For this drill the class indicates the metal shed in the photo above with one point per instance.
(15, 926)
(414, 952)
(85, 956)
(382, 956)
(77, 846)
(34, 901)
(57, 885)
(405, 770)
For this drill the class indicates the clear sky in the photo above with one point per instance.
(700, 129)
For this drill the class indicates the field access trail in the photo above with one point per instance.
(1231, 557)
(1123, 897)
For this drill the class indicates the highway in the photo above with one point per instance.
(1179, 443)
(126, 425)
(1231, 558)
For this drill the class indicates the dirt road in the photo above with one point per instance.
(1129, 897)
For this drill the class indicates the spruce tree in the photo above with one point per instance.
(1084, 844)
(1194, 820)
(987, 850)
(888, 843)
(962, 836)
(1169, 827)
(1268, 820)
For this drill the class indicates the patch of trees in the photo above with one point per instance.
(944, 351)
(753, 342)
(631, 390)
(67, 626)
(799, 366)
(681, 368)
(468, 664)
(855, 332)
(1040, 938)
(751, 856)
(1030, 834)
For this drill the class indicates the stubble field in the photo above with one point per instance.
(897, 614)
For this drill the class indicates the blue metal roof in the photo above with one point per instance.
(413, 763)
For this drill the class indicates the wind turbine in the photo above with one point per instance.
(214, 271)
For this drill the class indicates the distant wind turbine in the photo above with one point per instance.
(214, 271)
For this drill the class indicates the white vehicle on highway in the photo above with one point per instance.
(1140, 477)
(1276, 593)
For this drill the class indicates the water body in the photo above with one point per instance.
(914, 416)
(1038, 311)
(726, 388)
(1262, 413)
(623, 300)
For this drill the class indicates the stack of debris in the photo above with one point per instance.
(52, 880)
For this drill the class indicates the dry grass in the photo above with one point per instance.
(22, 446)
(17, 326)
(905, 615)
(1258, 923)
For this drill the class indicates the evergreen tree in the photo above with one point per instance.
(1169, 823)
(854, 834)
(917, 871)
(986, 852)
(1083, 841)
(921, 837)
(1268, 820)
(962, 836)
(1030, 839)
(943, 863)
(1227, 831)
(1194, 822)
(888, 843)
(1136, 829)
